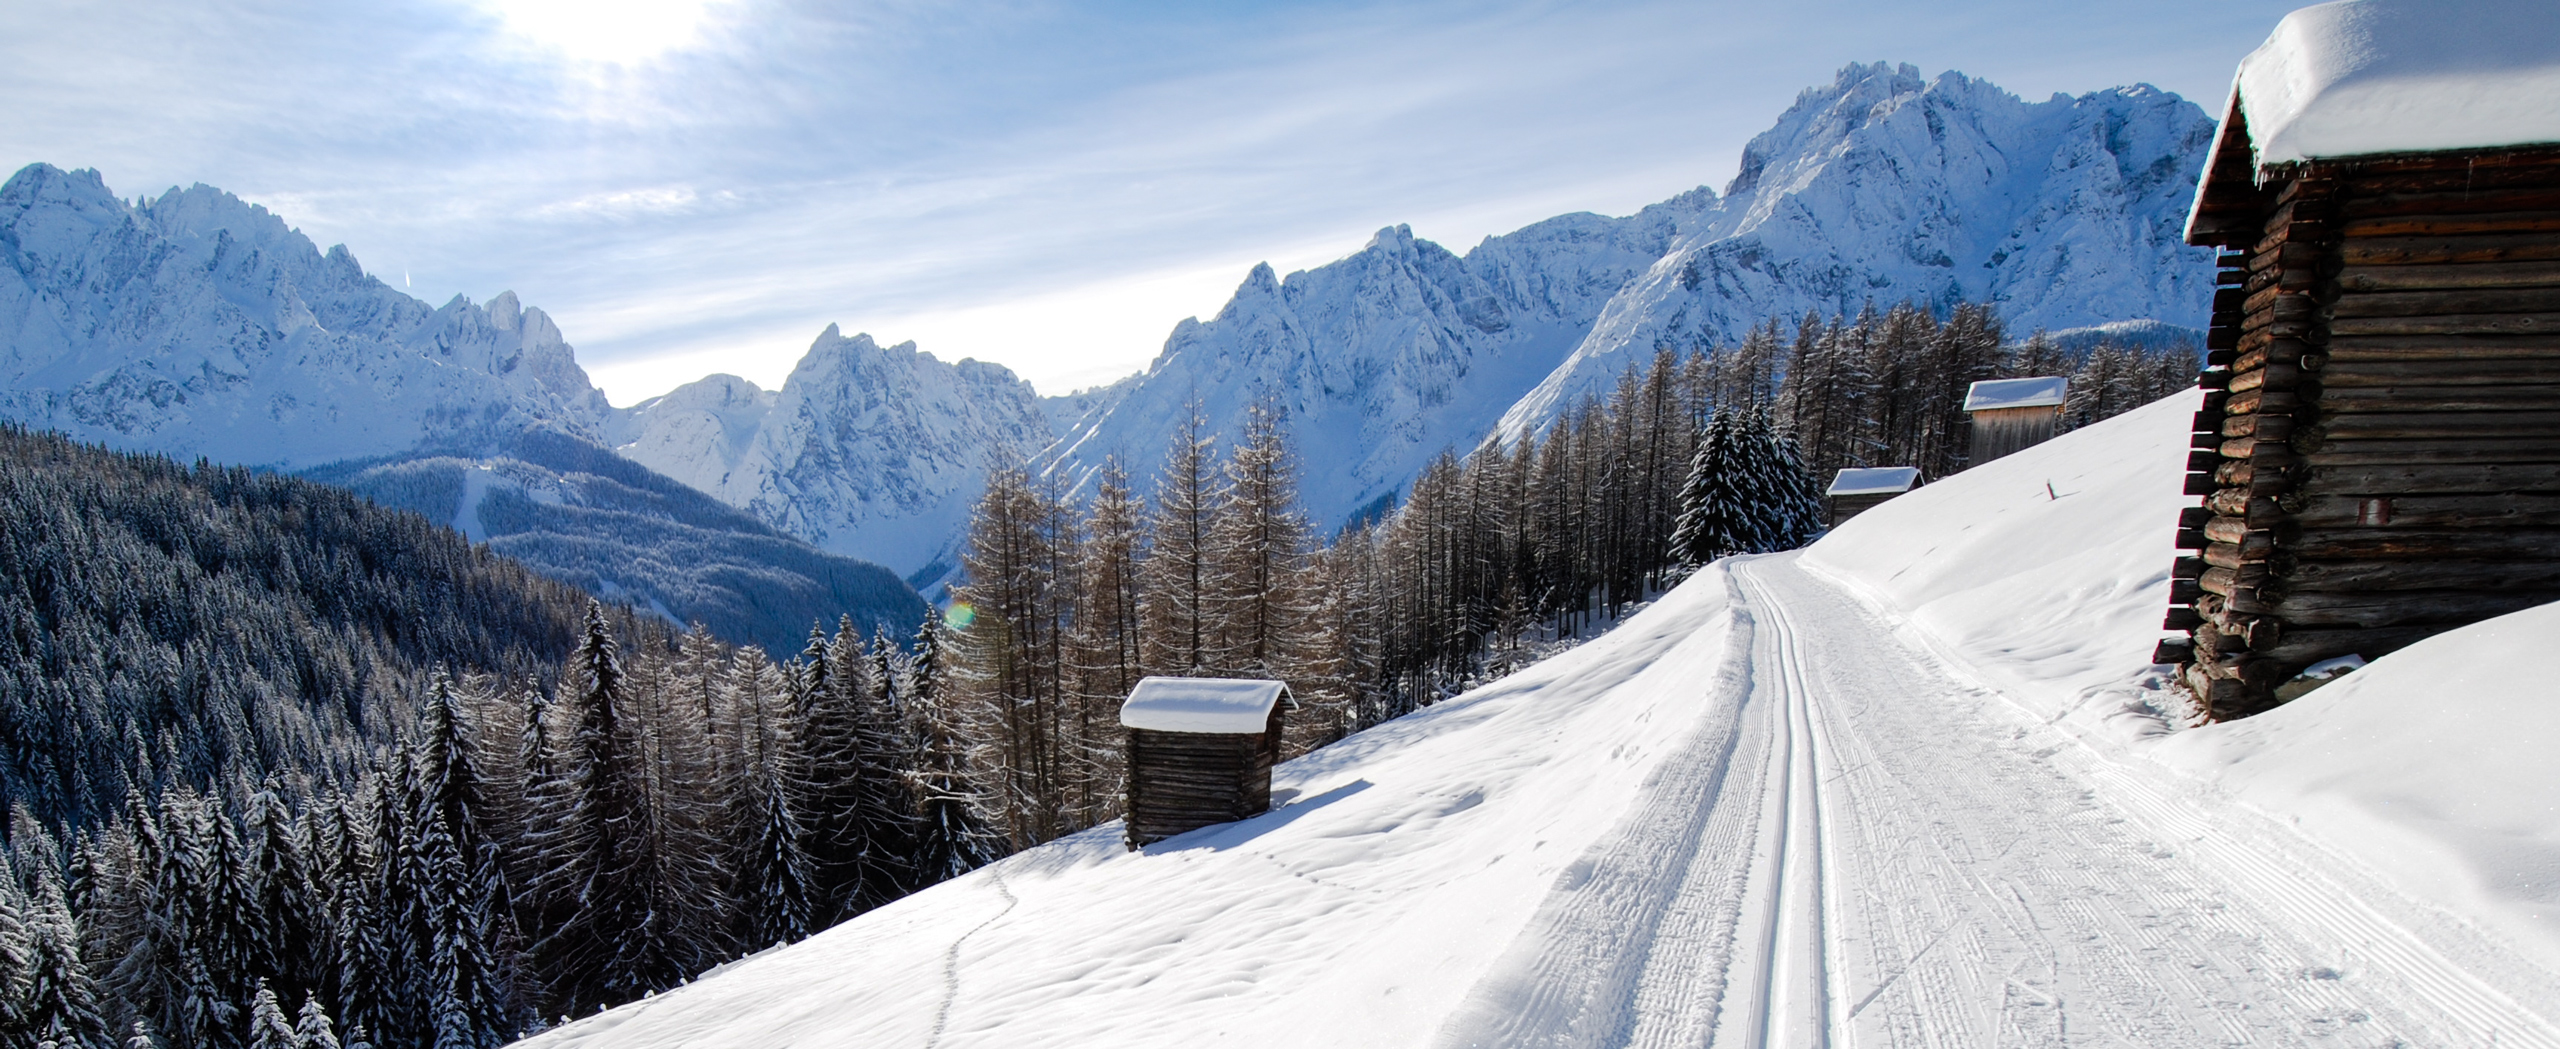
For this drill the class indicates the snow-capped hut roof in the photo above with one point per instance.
(2362, 78)
(1200, 752)
(2038, 392)
(2382, 363)
(1874, 480)
(1202, 704)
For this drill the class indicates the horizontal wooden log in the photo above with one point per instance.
(2361, 425)
(2454, 203)
(2431, 451)
(2350, 576)
(2272, 351)
(2462, 171)
(2280, 307)
(2458, 399)
(2406, 251)
(2371, 278)
(2269, 376)
(2303, 647)
(2313, 335)
(2186, 568)
(2453, 324)
(2451, 225)
(2256, 546)
(2430, 478)
(2283, 278)
(2404, 608)
(2450, 302)
(2225, 581)
(2391, 544)
(2344, 349)
(2266, 426)
(2472, 510)
(2336, 377)
(2255, 401)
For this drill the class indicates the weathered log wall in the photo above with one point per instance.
(1844, 507)
(2379, 454)
(1183, 781)
(2000, 431)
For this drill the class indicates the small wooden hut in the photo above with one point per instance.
(1200, 752)
(2010, 414)
(1859, 488)
(2379, 450)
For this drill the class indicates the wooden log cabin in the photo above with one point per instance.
(2378, 458)
(1858, 489)
(2011, 414)
(1200, 752)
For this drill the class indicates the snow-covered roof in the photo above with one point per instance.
(2360, 77)
(2037, 392)
(1874, 480)
(1201, 704)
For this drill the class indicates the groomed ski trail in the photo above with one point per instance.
(1860, 846)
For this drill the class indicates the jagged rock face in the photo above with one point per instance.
(872, 452)
(197, 324)
(1382, 359)
(1885, 187)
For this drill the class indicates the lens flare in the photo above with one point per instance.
(959, 615)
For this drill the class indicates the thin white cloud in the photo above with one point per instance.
(746, 173)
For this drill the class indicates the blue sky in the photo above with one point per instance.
(692, 187)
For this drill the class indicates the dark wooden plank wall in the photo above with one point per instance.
(2000, 431)
(1844, 507)
(2380, 453)
(1183, 781)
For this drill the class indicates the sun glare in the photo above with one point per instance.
(616, 31)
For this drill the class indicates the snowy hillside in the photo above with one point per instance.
(869, 452)
(1877, 188)
(1699, 829)
(197, 324)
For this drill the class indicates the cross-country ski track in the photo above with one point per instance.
(1890, 855)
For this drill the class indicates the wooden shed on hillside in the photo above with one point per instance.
(2010, 414)
(2379, 450)
(1200, 752)
(1858, 489)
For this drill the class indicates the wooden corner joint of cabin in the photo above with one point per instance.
(2378, 457)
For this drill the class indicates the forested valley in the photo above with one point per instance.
(286, 769)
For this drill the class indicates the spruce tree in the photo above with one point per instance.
(312, 1030)
(268, 1028)
(1713, 521)
(951, 837)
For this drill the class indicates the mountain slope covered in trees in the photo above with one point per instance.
(196, 324)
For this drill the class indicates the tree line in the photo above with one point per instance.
(1697, 453)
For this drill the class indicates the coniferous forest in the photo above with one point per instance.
(287, 769)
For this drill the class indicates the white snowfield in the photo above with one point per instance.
(1906, 788)
(2358, 77)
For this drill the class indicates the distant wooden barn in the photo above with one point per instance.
(2010, 414)
(1200, 752)
(1859, 488)
(2379, 450)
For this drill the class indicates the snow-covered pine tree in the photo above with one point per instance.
(617, 929)
(312, 1029)
(1794, 490)
(470, 988)
(882, 818)
(1714, 520)
(283, 888)
(951, 836)
(268, 1027)
(15, 950)
(60, 998)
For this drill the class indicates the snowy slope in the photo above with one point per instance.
(866, 451)
(1699, 828)
(199, 325)
(1877, 188)
(1883, 186)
